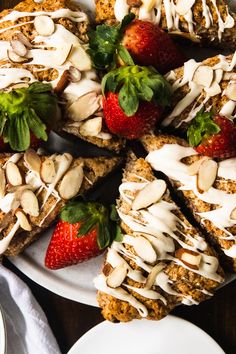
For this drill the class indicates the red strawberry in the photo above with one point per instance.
(213, 135)
(82, 233)
(135, 97)
(150, 45)
(130, 127)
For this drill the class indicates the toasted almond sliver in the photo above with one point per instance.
(62, 164)
(2, 183)
(206, 175)
(190, 258)
(213, 90)
(48, 171)
(194, 167)
(18, 47)
(62, 83)
(203, 75)
(71, 182)
(32, 160)
(24, 223)
(148, 4)
(152, 275)
(183, 6)
(117, 276)
(84, 106)
(92, 127)
(233, 214)
(75, 74)
(13, 174)
(79, 58)
(150, 194)
(218, 75)
(29, 203)
(44, 25)
(15, 58)
(23, 39)
(230, 91)
(144, 249)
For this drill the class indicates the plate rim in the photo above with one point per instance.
(3, 333)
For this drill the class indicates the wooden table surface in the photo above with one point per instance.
(69, 320)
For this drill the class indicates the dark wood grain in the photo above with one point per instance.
(69, 320)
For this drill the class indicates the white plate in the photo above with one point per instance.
(170, 335)
(75, 283)
(2, 333)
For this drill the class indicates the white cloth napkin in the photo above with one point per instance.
(28, 331)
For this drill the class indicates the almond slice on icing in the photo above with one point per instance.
(44, 25)
(62, 164)
(24, 223)
(75, 74)
(206, 175)
(190, 258)
(117, 276)
(29, 203)
(144, 249)
(71, 182)
(18, 47)
(203, 76)
(218, 75)
(79, 58)
(2, 183)
(150, 194)
(183, 6)
(84, 107)
(32, 160)
(91, 127)
(153, 274)
(13, 174)
(15, 58)
(194, 167)
(230, 91)
(233, 214)
(23, 39)
(47, 171)
(213, 90)
(229, 76)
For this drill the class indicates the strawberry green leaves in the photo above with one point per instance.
(202, 127)
(92, 215)
(27, 110)
(104, 47)
(135, 83)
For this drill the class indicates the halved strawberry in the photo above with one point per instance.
(212, 135)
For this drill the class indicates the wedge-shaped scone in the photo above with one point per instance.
(208, 188)
(33, 189)
(162, 260)
(210, 84)
(45, 41)
(205, 21)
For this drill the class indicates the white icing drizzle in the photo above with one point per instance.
(158, 225)
(168, 160)
(4, 243)
(172, 14)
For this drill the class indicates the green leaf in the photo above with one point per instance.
(126, 21)
(118, 235)
(113, 214)
(124, 55)
(19, 134)
(74, 212)
(3, 120)
(128, 99)
(36, 125)
(87, 225)
(104, 236)
(201, 127)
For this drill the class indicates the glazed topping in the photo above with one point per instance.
(204, 82)
(176, 12)
(168, 159)
(25, 191)
(53, 48)
(158, 238)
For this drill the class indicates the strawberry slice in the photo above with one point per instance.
(84, 231)
(212, 135)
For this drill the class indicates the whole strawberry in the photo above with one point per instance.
(150, 45)
(134, 100)
(83, 232)
(213, 135)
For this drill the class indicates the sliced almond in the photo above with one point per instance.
(79, 58)
(190, 258)
(18, 47)
(144, 249)
(194, 167)
(229, 76)
(23, 39)
(230, 91)
(24, 223)
(117, 276)
(2, 183)
(149, 4)
(62, 164)
(233, 214)
(218, 75)
(13, 174)
(47, 171)
(29, 203)
(206, 175)
(91, 127)
(213, 90)
(84, 107)
(71, 182)
(107, 269)
(62, 83)
(44, 25)
(75, 74)
(15, 58)
(32, 160)
(203, 76)
(183, 6)
(150, 194)
(153, 274)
